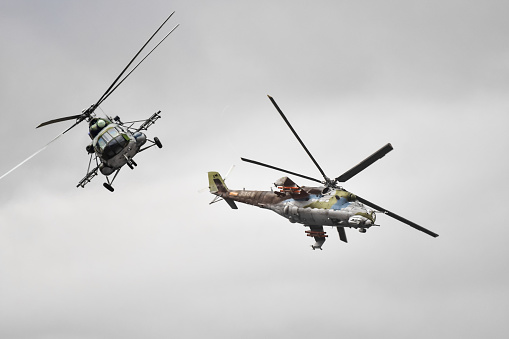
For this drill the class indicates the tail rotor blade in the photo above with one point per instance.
(365, 163)
(228, 173)
(397, 217)
(280, 169)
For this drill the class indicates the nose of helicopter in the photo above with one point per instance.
(369, 223)
(369, 215)
(363, 217)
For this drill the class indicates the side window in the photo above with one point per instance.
(101, 143)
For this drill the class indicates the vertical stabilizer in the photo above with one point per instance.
(216, 183)
(217, 186)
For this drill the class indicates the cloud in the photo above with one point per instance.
(154, 259)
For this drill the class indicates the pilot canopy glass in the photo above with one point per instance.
(111, 143)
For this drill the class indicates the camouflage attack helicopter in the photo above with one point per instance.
(114, 143)
(315, 207)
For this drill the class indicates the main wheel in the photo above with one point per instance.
(130, 165)
(135, 164)
(108, 187)
(158, 142)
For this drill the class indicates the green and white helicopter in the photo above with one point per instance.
(315, 207)
(114, 143)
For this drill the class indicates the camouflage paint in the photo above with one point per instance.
(339, 200)
(309, 206)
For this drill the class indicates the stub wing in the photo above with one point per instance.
(90, 175)
(318, 233)
(139, 125)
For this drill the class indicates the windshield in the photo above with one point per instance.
(111, 143)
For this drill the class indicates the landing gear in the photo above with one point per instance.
(158, 142)
(155, 142)
(130, 162)
(362, 230)
(109, 182)
(108, 187)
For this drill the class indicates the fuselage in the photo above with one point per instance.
(308, 206)
(114, 145)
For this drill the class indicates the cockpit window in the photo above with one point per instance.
(113, 132)
(106, 136)
(111, 143)
(101, 143)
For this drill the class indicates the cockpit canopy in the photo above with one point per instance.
(111, 143)
(96, 125)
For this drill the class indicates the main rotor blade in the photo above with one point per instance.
(397, 217)
(297, 136)
(59, 120)
(280, 169)
(112, 87)
(365, 163)
(109, 90)
(33, 155)
(139, 63)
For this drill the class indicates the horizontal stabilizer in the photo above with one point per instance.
(231, 203)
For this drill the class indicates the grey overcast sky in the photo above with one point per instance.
(154, 260)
